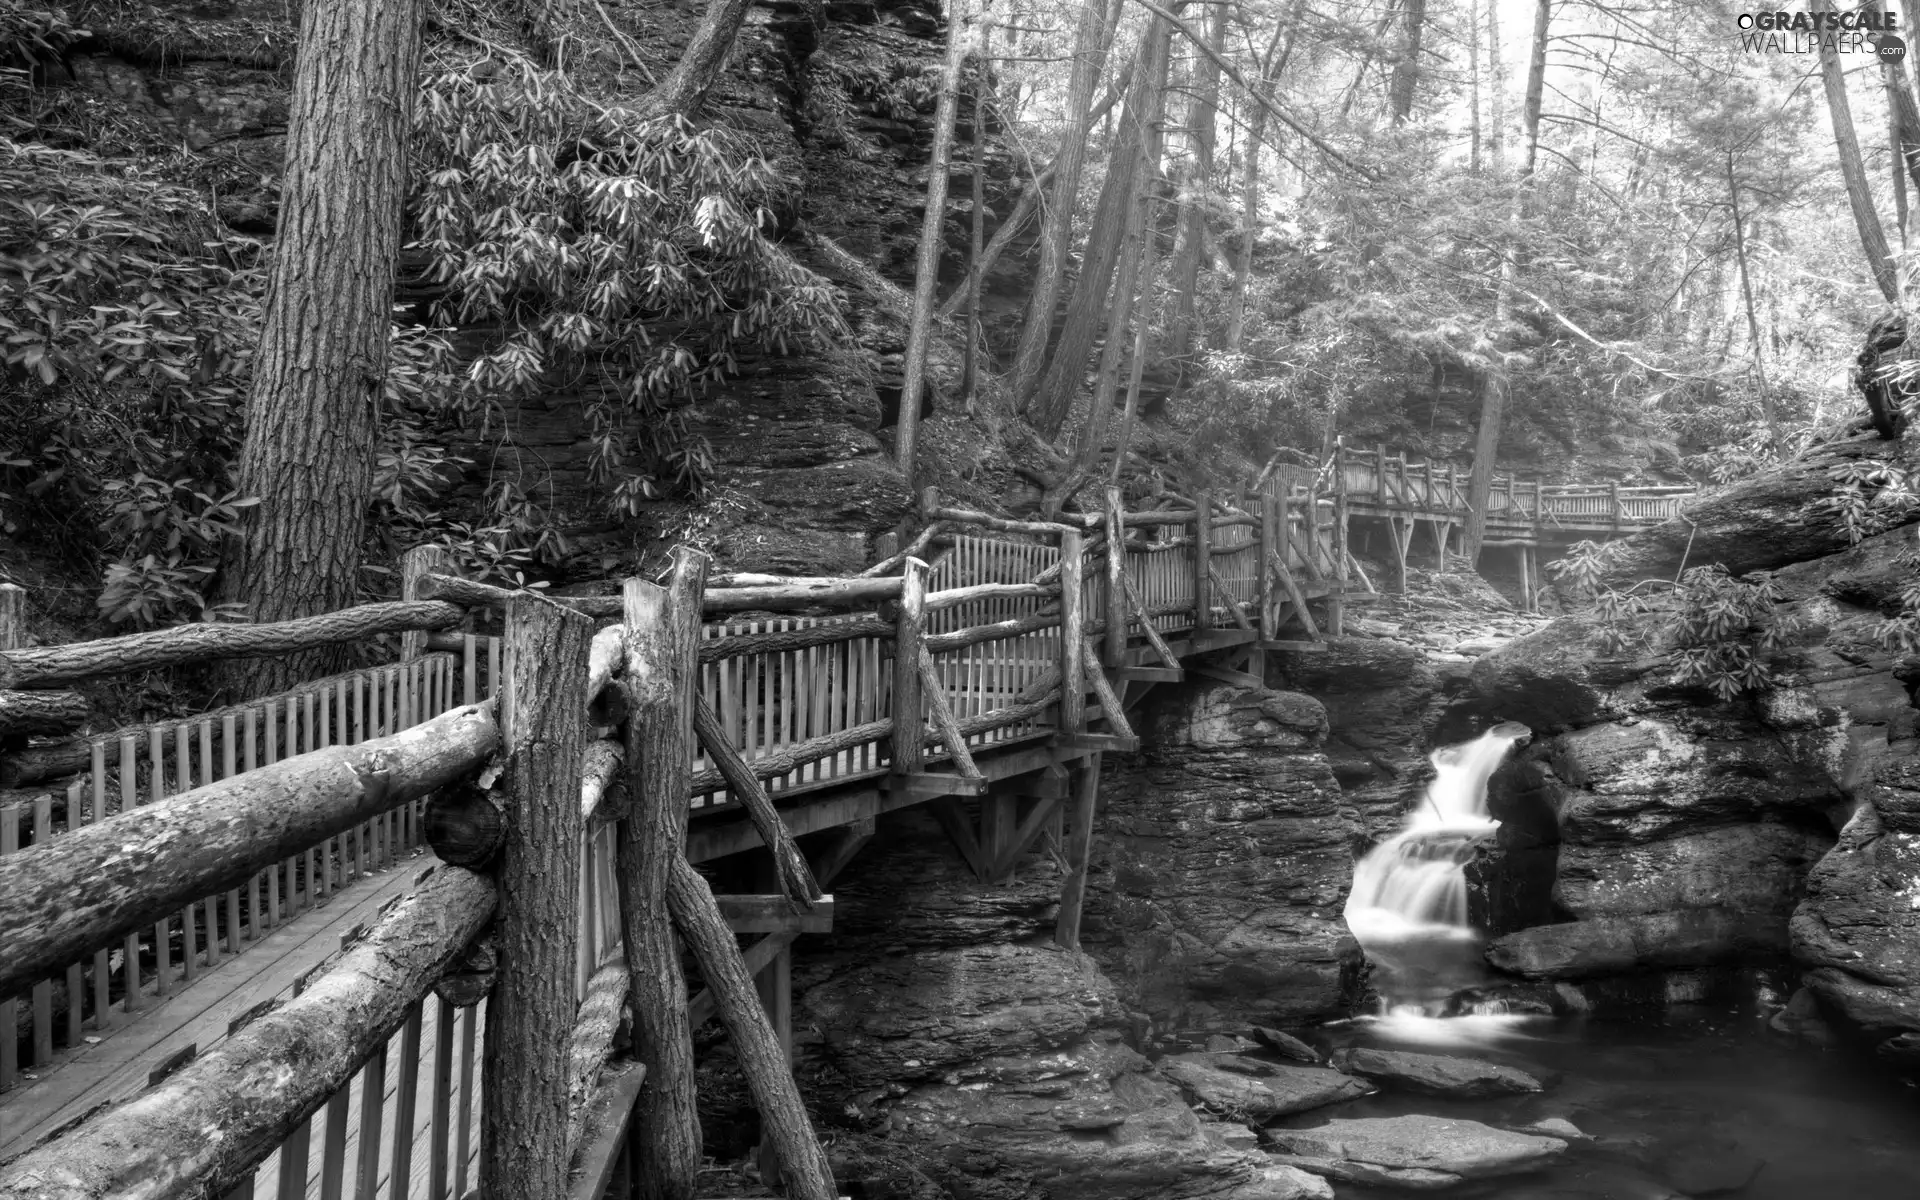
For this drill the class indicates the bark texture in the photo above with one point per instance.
(314, 404)
(663, 635)
(524, 1073)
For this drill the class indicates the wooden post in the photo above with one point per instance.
(663, 645)
(1073, 890)
(1202, 559)
(524, 1074)
(1337, 602)
(1073, 623)
(1402, 543)
(762, 1058)
(1116, 647)
(1273, 516)
(1613, 501)
(415, 565)
(909, 704)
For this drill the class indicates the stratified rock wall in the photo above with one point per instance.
(941, 1027)
(1223, 853)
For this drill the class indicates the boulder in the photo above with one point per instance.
(926, 1014)
(1286, 1045)
(1254, 1089)
(1221, 863)
(1776, 517)
(1434, 1074)
(1091, 1122)
(1752, 868)
(1420, 1151)
(1604, 946)
(1858, 930)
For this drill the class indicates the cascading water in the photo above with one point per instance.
(1408, 906)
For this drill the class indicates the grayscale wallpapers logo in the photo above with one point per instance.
(1832, 32)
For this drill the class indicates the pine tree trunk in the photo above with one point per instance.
(1091, 37)
(685, 88)
(1496, 91)
(1250, 217)
(317, 377)
(1473, 83)
(976, 239)
(932, 240)
(1406, 70)
(1494, 387)
(1873, 239)
(1753, 321)
(1202, 111)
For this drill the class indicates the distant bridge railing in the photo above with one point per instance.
(1376, 477)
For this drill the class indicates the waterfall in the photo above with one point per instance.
(1409, 897)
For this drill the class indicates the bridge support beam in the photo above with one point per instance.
(1073, 892)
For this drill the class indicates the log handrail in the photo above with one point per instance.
(201, 1131)
(47, 665)
(73, 893)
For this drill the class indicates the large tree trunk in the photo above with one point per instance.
(1196, 182)
(932, 227)
(1091, 35)
(317, 378)
(1873, 239)
(1066, 369)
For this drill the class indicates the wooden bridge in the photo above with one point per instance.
(234, 968)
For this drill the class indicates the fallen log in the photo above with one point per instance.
(796, 878)
(36, 764)
(24, 714)
(763, 1061)
(203, 1130)
(77, 893)
(46, 665)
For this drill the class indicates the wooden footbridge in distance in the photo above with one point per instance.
(376, 936)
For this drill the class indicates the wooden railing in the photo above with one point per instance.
(1391, 480)
(505, 748)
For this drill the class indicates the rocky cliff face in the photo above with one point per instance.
(1224, 852)
(957, 1047)
(1683, 832)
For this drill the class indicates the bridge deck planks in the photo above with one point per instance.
(118, 1064)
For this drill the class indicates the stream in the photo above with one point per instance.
(1699, 1100)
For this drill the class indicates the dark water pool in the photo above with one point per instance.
(1697, 1101)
